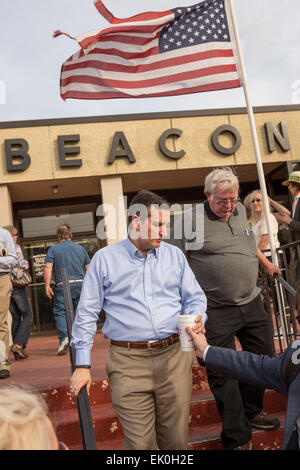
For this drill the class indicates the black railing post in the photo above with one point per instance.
(83, 406)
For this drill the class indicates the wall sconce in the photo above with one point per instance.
(55, 190)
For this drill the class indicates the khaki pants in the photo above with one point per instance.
(151, 392)
(5, 293)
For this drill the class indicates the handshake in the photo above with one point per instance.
(199, 340)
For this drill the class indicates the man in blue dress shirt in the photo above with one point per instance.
(143, 284)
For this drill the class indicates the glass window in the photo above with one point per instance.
(43, 221)
(47, 225)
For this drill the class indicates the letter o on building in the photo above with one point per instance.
(235, 135)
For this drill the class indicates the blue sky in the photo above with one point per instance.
(30, 59)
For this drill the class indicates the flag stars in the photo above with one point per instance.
(194, 26)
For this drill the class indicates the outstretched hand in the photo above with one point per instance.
(199, 341)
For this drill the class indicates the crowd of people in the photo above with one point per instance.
(143, 283)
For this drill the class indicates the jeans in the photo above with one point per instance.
(21, 313)
(59, 308)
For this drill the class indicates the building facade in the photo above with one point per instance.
(70, 170)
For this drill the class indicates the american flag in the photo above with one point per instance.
(178, 51)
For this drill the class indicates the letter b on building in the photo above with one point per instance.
(17, 149)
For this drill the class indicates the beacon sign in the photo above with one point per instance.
(17, 151)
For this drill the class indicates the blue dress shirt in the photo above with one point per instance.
(142, 297)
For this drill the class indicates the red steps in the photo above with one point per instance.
(205, 422)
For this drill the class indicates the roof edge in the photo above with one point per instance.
(144, 116)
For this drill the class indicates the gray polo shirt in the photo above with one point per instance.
(225, 261)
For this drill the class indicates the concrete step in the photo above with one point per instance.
(60, 398)
(208, 438)
(107, 427)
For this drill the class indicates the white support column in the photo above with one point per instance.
(6, 217)
(114, 210)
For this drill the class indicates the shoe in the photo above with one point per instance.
(4, 374)
(18, 352)
(264, 421)
(247, 446)
(63, 347)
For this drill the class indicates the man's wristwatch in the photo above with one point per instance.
(82, 366)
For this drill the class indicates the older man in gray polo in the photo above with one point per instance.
(226, 267)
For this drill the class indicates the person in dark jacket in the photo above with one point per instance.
(279, 373)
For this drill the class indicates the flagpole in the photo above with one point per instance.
(259, 165)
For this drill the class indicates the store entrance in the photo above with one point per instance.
(37, 225)
(35, 253)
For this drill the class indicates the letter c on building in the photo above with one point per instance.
(164, 149)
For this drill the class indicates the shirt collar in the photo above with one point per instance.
(134, 252)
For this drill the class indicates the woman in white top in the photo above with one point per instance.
(257, 221)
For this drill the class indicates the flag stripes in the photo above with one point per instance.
(127, 60)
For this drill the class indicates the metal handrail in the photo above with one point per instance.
(285, 284)
(83, 406)
(278, 294)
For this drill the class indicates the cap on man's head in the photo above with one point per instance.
(294, 177)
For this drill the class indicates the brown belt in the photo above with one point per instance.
(161, 343)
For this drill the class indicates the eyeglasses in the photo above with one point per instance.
(223, 202)
(255, 200)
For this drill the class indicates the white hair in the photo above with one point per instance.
(23, 420)
(223, 176)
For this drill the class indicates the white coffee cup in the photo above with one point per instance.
(186, 341)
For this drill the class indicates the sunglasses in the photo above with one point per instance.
(255, 200)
